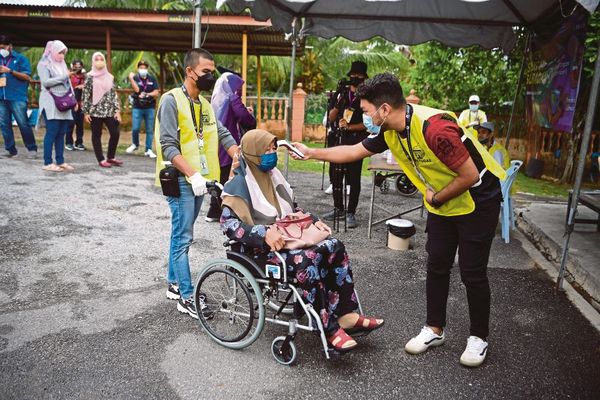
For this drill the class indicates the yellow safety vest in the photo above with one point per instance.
(465, 117)
(188, 140)
(497, 146)
(428, 170)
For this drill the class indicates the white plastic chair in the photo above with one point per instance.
(507, 215)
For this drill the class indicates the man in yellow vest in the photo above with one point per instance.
(473, 115)
(459, 181)
(485, 134)
(187, 135)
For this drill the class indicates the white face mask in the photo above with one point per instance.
(143, 72)
(474, 107)
(4, 53)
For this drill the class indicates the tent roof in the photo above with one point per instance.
(457, 23)
(159, 31)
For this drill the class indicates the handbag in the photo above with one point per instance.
(64, 102)
(299, 231)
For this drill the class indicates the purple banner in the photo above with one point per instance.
(552, 75)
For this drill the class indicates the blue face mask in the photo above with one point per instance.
(473, 107)
(268, 161)
(369, 125)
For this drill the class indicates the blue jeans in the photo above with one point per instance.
(137, 115)
(55, 137)
(18, 109)
(184, 211)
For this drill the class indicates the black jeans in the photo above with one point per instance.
(113, 129)
(214, 211)
(352, 173)
(473, 235)
(76, 124)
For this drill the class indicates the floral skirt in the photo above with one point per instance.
(324, 278)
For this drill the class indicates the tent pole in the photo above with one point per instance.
(585, 141)
(288, 132)
(197, 23)
(521, 78)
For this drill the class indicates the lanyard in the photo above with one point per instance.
(410, 156)
(144, 83)
(350, 97)
(6, 61)
(197, 127)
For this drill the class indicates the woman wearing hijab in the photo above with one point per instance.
(253, 200)
(234, 116)
(54, 77)
(101, 107)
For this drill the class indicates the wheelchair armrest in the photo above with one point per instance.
(246, 262)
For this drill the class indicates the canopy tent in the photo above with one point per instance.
(456, 23)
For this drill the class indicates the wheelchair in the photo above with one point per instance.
(242, 294)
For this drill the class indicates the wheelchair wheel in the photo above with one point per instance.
(236, 300)
(405, 186)
(385, 186)
(285, 356)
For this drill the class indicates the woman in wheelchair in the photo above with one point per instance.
(253, 200)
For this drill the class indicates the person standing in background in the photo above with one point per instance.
(233, 115)
(146, 90)
(15, 72)
(55, 82)
(473, 115)
(101, 107)
(77, 81)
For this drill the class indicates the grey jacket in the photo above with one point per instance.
(57, 84)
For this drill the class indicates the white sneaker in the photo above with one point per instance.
(424, 340)
(347, 189)
(329, 190)
(475, 353)
(131, 149)
(150, 153)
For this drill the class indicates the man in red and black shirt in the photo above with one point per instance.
(459, 182)
(77, 81)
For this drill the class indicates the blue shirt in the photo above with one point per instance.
(15, 89)
(147, 85)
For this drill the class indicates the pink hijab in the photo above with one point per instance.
(52, 59)
(103, 80)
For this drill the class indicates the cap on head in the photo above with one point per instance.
(358, 67)
(143, 62)
(474, 98)
(486, 125)
(5, 39)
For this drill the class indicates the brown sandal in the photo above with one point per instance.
(52, 168)
(67, 167)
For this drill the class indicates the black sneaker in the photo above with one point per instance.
(173, 292)
(187, 307)
(331, 214)
(79, 147)
(351, 221)
(69, 147)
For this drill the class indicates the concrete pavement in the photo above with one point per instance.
(83, 313)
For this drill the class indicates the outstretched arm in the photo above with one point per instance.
(337, 154)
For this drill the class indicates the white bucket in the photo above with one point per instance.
(399, 233)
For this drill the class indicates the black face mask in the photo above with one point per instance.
(205, 82)
(355, 80)
(484, 141)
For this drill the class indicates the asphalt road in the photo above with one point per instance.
(83, 313)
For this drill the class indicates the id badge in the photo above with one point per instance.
(200, 143)
(2, 81)
(203, 165)
(348, 114)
